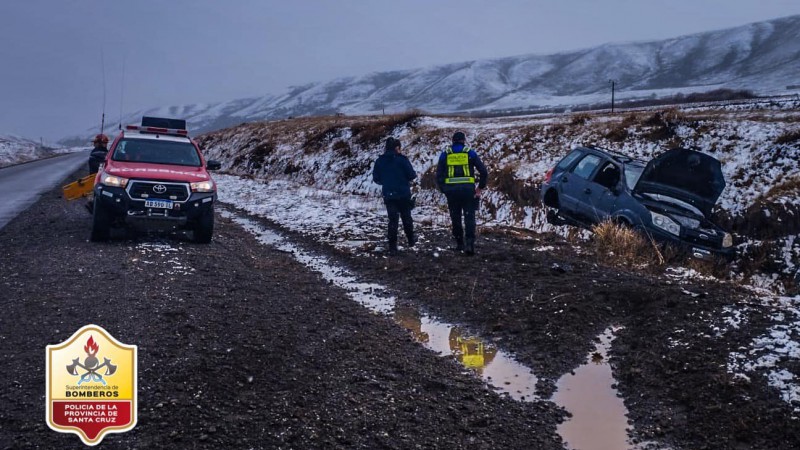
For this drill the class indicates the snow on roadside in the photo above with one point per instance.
(775, 355)
(330, 217)
(335, 218)
(165, 256)
(15, 149)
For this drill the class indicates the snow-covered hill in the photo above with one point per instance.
(762, 57)
(15, 149)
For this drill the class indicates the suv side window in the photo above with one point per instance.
(569, 159)
(608, 176)
(587, 165)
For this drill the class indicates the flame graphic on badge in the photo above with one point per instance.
(91, 347)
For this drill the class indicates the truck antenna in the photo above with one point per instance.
(122, 92)
(103, 117)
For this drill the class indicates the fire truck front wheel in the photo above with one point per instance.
(204, 228)
(101, 223)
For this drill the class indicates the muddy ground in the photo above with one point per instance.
(548, 307)
(239, 347)
(326, 373)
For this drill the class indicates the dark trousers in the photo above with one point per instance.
(462, 202)
(399, 208)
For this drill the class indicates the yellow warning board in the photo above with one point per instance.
(80, 188)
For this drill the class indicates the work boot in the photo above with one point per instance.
(412, 240)
(459, 245)
(469, 249)
(393, 251)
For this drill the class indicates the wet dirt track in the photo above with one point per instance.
(242, 347)
(239, 347)
(549, 307)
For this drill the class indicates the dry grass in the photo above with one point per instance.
(629, 120)
(428, 179)
(661, 125)
(787, 187)
(342, 148)
(517, 190)
(317, 139)
(574, 235)
(374, 131)
(788, 137)
(769, 216)
(580, 119)
(617, 134)
(622, 245)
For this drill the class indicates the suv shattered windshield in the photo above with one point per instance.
(156, 152)
(632, 174)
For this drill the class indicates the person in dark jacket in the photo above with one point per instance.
(99, 152)
(394, 173)
(455, 176)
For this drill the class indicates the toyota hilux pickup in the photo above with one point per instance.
(155, 178)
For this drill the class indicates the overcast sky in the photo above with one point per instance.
(53, 52)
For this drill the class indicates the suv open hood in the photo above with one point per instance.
(686, 175)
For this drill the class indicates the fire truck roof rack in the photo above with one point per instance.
(161, 122)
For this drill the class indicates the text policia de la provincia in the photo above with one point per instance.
(90, 413)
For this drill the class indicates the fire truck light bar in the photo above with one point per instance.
(158, 130)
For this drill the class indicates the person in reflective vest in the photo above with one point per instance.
(455, 176)
(394, 173)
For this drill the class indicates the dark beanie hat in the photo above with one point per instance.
(459, 137)
(392, 143)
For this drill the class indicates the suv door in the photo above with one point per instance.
(600, 194)
(574, 184)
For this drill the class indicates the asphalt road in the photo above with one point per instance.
(23, 184)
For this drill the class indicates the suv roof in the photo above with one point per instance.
(616, 156)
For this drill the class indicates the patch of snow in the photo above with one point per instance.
(775, 352)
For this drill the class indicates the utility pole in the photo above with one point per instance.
(613, 85)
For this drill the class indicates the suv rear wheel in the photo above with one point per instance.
(101, 223)
(551, 199)
(204, 229)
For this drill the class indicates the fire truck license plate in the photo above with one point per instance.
(163, 204)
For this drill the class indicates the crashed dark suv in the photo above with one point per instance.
(669, 198)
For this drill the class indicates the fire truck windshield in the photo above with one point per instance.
(156, 152)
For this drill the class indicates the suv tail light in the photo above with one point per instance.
(548, 175)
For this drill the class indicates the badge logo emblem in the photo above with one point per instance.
(88, 397)
(159, 189)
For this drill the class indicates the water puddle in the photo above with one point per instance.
(496, 367)
(599, 418)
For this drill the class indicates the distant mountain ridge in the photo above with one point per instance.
(763, 57)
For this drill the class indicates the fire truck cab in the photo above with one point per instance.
(155, 178)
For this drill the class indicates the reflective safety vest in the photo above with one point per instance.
(458, 170)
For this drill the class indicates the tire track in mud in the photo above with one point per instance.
(548, 307)
(240, 347)
(598, 420)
